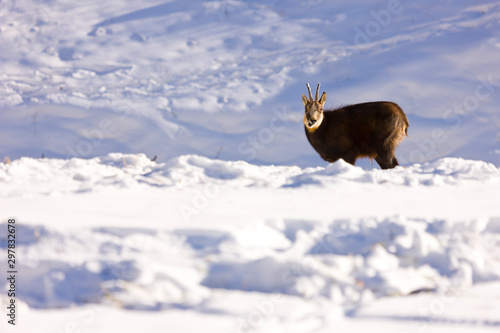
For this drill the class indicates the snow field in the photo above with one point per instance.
(214, 248)
(170, 79)
(238, 225)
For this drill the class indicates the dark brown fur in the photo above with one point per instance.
(371, 130)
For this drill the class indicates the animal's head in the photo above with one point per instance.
(314, 109)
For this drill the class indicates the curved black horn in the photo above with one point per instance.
(317, 93)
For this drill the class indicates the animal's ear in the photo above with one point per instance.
(322, 100)
(304, 99)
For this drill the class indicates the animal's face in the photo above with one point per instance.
(313, 111)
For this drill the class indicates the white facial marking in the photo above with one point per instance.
(314, 126)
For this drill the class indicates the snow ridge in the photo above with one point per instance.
(116, 170)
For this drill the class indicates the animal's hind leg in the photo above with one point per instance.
(382, 162)
(349, 158)
(386, 160)
(386, 157)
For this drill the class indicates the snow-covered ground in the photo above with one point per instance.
(229, 246)
(238, 225)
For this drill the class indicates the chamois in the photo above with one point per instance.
(371, 130)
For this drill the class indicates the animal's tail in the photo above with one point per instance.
(407, 124)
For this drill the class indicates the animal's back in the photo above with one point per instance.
(372, 115)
